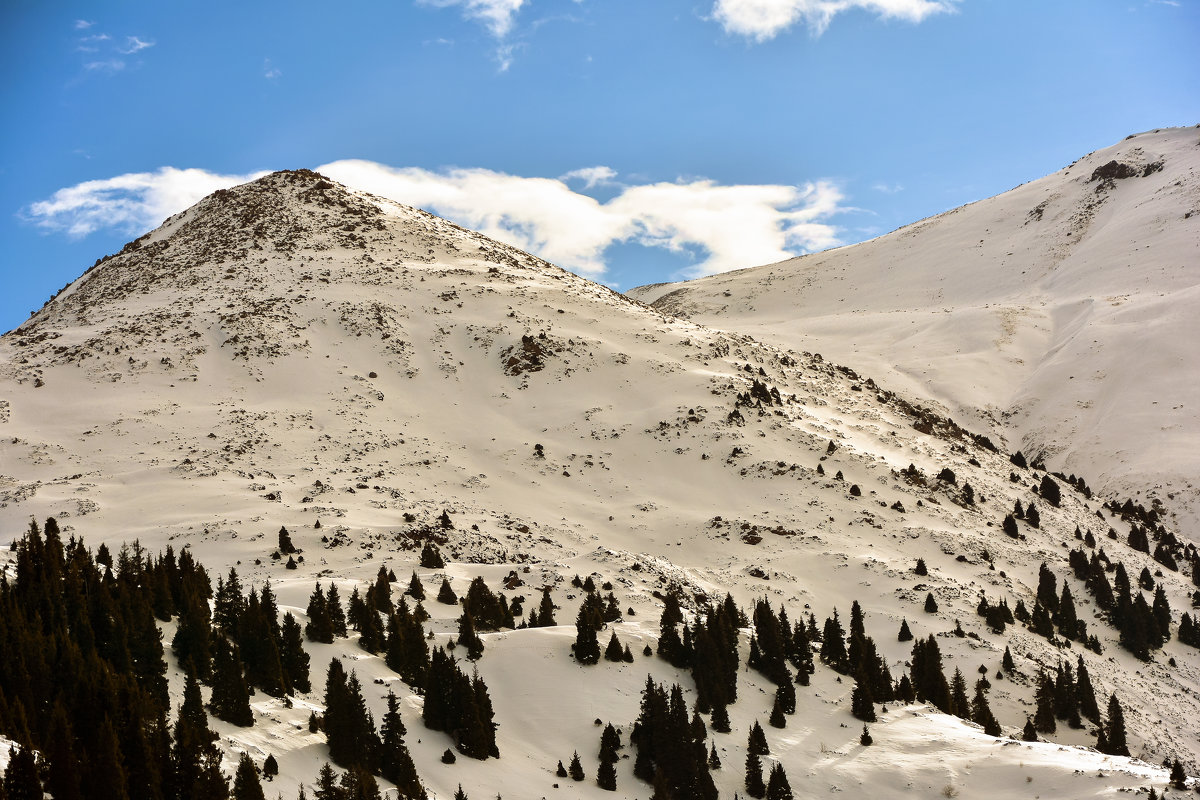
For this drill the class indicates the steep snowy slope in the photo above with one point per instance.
(1059, 317)
(292, 353)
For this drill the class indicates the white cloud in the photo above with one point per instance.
(271, 72)
(131, 203)
(134, 45)
(497, 15)
(764, 19)
(83, 24)
(887, 188)
(723, 227)
(733, 226)
(591, 176)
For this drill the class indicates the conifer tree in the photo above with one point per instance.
(1029, 732)
(587, 646)
(862, 704)
(467, 636)
(21, 780)
(545, 612)
(270, 767)
(245, 781)
(905, 634)
(337, 617)
(576, 768)
(395, 762)
(714, 760)
(431, 557)
(931, 605)
(754, 780)
(778, 787)
(415, 588)
(865, 739)
(446, 593)
(320, 625)
(1085, 694)
(285, 542)
(720, 719)
(230, 698)
(292, 655)
(958, 695)
(757, 740)
(1007, 662)
(1114, 731)
(614, 652)
(981, 711)
(777, 719)
(1009, 526)
(1043, 717)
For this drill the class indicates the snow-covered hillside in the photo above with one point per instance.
(1059, 317)
(292, 353)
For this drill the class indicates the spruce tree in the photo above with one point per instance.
(754, 779)
(1029, 732)
(778, 787)
(416, 589)
(21, 781)
(245, 781)
(862, 704)
(757, 741)
(446, 593)
(905, 634)
(931, 605)
(230, 696)
(981, 712)
(865, 740)
(320, 625)
(1115, 729)
(576, 768)
(292, 655)
(1043, 717)
(614, 652)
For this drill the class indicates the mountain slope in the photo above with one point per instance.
(1058, 316)
(290, 352)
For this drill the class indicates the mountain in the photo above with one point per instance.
(1058, 318)
(294, 353)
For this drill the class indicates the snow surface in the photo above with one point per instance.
(288, 353)
(1059, 317)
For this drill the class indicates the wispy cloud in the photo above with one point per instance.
(135, 45)
(591, 176)
(497, 15)
(761, 20)
(83, 24)
(724, 227)
(131, 203)
(271, 72)
(109, 66)
(887, 188)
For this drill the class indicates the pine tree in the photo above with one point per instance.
(1115, 730)
(757, 741)
(576, 768)
(231, 697)
(245, 781)
(467, 636)
(777, 785)
(320, 625)
(754, 779)
(1043, 717)
(777, 719)
(862, 704)
(1029, 732)
(415, 588)
(720, 719)
(395, 762)
(931, 605)
(285, 542)
(446, 593)
(958, 695)
(714, 760)
(337, 617)
(606, 776)
(587, 645)
(1007, 662)
(613, 651)
(981, 711)
(905, 634)
(431, 557)
(270, 767)
(292, 656)
(1010, 526)
(21, 781)
(865, 740)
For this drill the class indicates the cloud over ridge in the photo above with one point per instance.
(722, 227)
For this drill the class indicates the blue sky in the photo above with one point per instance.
(634, 141)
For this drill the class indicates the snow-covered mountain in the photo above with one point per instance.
(290, 352)
(1059, 317)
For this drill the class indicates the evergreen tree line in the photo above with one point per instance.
(1143, 627)
(671, 751)
(83, 675)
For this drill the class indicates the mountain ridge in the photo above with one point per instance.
(267, 359)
